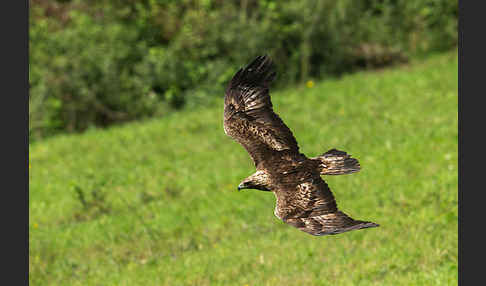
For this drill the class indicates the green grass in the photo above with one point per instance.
(160, 205)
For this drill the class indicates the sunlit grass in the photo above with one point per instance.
(155, 202)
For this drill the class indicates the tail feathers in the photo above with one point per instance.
(329, 224)
(335, 162)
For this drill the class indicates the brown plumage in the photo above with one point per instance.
(304, 200)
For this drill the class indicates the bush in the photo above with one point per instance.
(97, 63)
(86, 74)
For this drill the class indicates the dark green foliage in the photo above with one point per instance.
(96, 63)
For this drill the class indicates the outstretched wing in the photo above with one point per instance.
(248, 112)
(311, 208)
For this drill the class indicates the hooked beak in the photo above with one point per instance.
(241, 186)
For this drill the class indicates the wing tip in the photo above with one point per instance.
(318, 226)
(361, 225)
(259, 72)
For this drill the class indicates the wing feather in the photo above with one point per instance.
(311, 207)
(248, 112)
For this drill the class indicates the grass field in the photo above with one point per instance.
(155, 202)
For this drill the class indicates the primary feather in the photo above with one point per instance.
(304, 200)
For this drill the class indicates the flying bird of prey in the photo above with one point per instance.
(304, 200)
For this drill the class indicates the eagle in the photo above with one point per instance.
(303, 198)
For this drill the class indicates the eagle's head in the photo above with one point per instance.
(259, 181)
